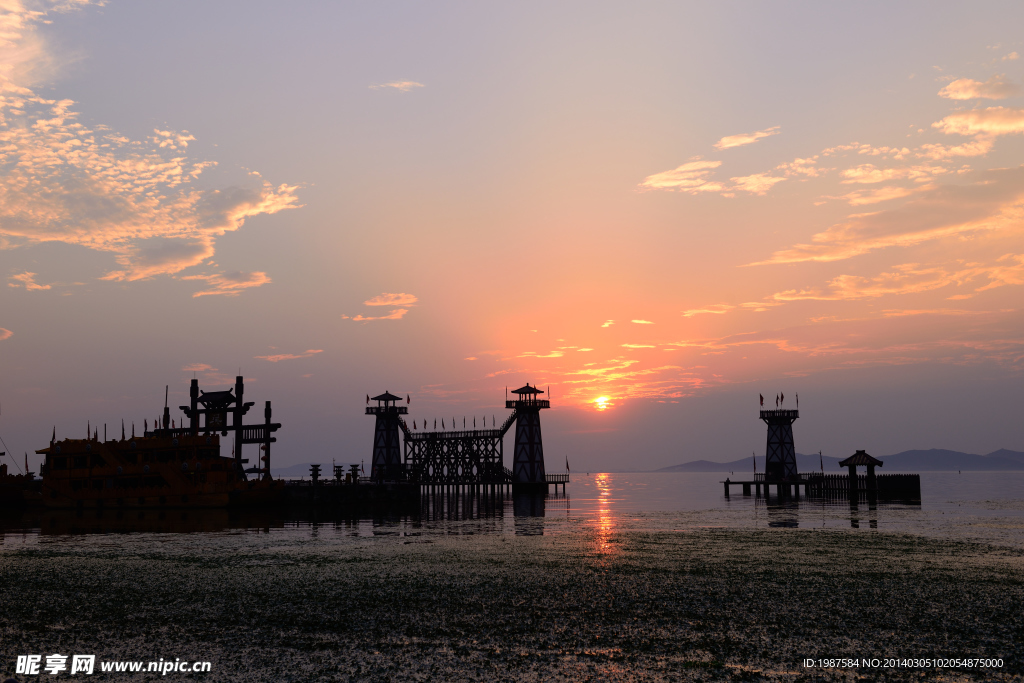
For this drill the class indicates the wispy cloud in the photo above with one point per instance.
(694, 177)
(396, 314)
(990, 121)
(995, 88)
(607, 323)
(638, 346)
(62, 181)
(27, 281)
(715, 308)
(758, 183)
(210, 374)
(975, 148)
(229, 284)
(534, 354)
(197, 367)
(390, 299)
(642, 322)
(991, 202)
(386, 299)
(746, 138)
(5, 333)
(403, 86)
(875, 195)
(290, 356)
(910, 278)
(869, 173)
(690, 177)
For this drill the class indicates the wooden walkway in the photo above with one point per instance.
(895, 487)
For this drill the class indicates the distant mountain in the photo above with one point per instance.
(933, 460)
(804, 463)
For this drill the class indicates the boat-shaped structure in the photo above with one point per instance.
(144, 472)
(166, 467)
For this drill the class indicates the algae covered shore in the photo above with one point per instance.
(706, 604)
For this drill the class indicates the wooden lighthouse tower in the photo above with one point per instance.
(528, 459)
(780, 454)
(387, 451)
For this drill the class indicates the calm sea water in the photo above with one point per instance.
(979, 506)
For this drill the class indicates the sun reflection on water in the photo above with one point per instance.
(605, 518)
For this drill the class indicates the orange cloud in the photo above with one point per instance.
(5, 333)
(198, 367)
(642, 322)
(745, 138)
(995, 88)
(26, 280)
(802, 167)
(63, 181)
(715, 308)
(690, 177)
(881, 194)
(908, 278)
(393, 315)
(290, 356)
(868, 173)
(990, 121)
(975, 148)
(229, 284)
(994, 201)
(759, 183)
(389, 299)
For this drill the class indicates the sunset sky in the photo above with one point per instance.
(659, 210)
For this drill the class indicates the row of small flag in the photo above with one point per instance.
(780, 399)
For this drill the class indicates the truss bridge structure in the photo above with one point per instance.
(462, 458)
(466, 457)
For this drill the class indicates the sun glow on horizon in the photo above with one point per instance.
(602, 403)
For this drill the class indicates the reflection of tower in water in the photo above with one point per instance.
(528, 508)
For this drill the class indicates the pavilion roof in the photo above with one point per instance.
(386, 396)
(216, 398)
(860, 458)
(527, 390)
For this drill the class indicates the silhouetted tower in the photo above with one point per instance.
(780, 455)
(528, 458)
(216, 405)
(387, 452)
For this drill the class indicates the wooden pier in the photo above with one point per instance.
(891, 487)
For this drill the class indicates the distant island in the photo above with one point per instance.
(933, 460)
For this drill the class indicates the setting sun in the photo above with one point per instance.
(602, 403)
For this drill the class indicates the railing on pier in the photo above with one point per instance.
(893, 487)
(556, 478)
(889, 486)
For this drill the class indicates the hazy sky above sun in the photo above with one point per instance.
(660, 211)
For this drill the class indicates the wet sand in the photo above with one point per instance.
(711, 604)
